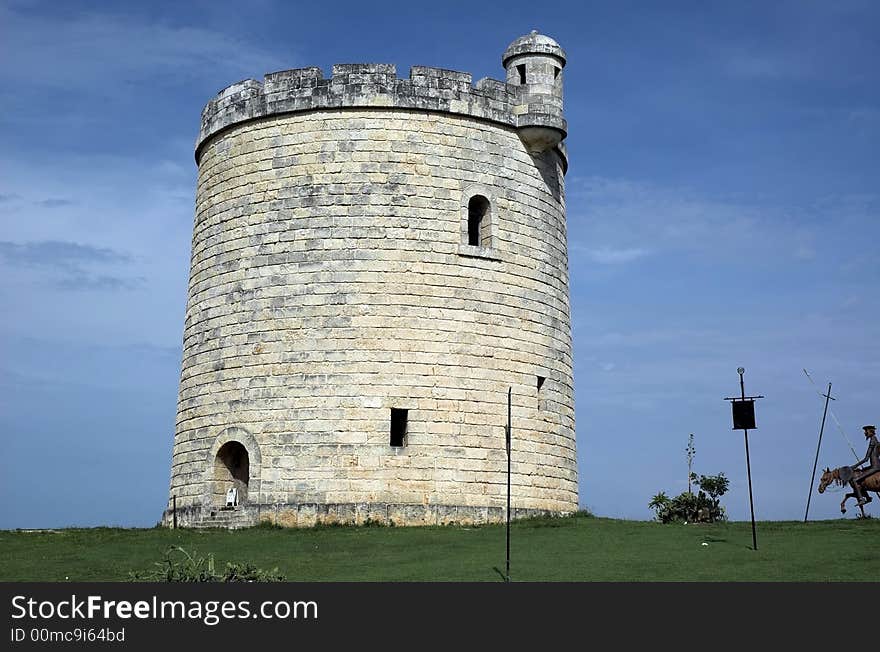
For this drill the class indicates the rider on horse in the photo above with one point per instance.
(872, 456)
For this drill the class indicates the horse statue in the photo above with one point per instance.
(842, 475)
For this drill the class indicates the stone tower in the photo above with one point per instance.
(375, 261)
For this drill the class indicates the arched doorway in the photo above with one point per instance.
(231, 469)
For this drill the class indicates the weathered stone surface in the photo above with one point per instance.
(332, 281)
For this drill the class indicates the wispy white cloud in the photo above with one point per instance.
(611, 256)
(851, 301)
(770, 66)
(98, 50)
(70, 266)
(55, 253)
(804, 252)
(127, 227)
(86, 282)
(824, 42)
(616, 221)
(54, 202)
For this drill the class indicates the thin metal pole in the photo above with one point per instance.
(509, 391)
(816, 461)
(751, 503)
(174, 509)
(749, 470)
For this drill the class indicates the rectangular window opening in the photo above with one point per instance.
(541, 380)
(398, 427)
(556, 72)
(521, 69)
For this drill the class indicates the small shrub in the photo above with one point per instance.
(180, 566)
(551, 519)
(372, 522)
(330, 525)
(247, 572)
(687, 507)
(542, 520)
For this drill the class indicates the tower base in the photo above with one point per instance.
(312, 514)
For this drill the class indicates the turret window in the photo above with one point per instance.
(521, 69)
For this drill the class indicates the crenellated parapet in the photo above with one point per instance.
(377, 85)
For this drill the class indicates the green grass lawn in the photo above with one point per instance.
(578, 548)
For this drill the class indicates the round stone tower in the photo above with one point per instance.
(375, 262)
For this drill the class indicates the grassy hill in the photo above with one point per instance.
(578, 548)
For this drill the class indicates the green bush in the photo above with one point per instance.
(180, 566)
(687, 507)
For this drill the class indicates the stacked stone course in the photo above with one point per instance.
(332, 280)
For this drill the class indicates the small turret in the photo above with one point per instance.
(534, 62)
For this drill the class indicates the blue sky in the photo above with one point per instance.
(722, 206)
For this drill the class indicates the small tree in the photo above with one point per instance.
(660, 503)
(716, 486)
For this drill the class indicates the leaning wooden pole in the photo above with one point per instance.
(818, 446)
